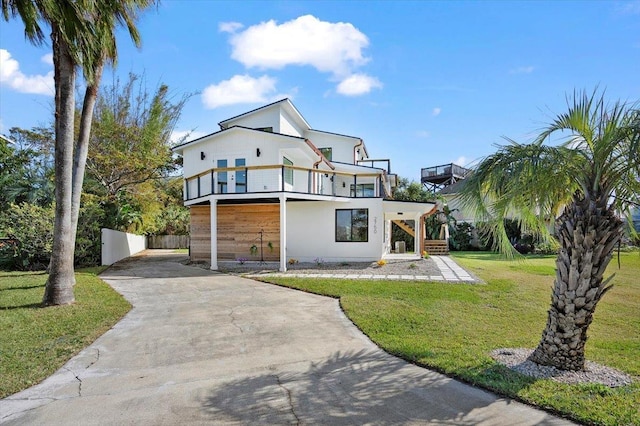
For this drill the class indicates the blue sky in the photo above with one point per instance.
(423, 83)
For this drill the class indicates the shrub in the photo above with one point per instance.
(89, 237)
(32, 226)
(461, 236)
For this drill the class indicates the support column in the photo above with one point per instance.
(417, 235)
(283, 233)
(214, 233)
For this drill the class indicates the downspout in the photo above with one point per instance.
(315, 166)
(355, 149)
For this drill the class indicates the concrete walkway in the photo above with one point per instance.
(448, 270)
(206, 348)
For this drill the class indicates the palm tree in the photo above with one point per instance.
(82, 35)
(584, 170)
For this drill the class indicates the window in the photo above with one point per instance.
(222, 177)
(327, 152)
(363, 190)
(288, 173)
(241, 176)
(352, 225)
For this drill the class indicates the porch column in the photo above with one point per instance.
(214, 233)
(418, 235)
(283, 233)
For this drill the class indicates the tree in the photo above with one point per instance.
(131, 139)
(26, 167)
(585, 180)
(82, 35)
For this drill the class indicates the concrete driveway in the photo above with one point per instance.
(206, 348)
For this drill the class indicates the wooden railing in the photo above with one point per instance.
(284, 178)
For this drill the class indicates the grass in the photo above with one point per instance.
(36, 341)
(452, 328)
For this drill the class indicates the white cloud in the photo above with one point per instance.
(239, 89)
(423, 134)
(329, 47)
(628, 8)
(358, 84)
(522, 70)
(11, 76)
(47, 59)
(229, 27)
(181, 136)
(436, 111)
(461, 161)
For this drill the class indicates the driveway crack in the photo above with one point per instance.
(289, 399)
(95, 360)
(78, 379)
(233, 321)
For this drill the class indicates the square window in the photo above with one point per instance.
(352, 225)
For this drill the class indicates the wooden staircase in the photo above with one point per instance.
(436, 247)
(406, 227)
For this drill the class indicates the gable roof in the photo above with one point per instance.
(282, 103)
(454, 188)
(180, 148)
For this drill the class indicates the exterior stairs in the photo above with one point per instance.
(436, 247)
(406, 227)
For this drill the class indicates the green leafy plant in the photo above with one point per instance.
(253, 250)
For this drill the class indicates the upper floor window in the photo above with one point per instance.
(288, 173)
(327, 152)
(352, 225)
(241, 176)
(222, 177)
(363, 190)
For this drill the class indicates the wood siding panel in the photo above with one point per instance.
(239, 228)
(200, 233)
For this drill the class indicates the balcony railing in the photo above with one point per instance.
(444, 171)
(284, 178)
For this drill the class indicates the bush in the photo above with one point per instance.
(461, 236)
(89, 237)
(32, 226)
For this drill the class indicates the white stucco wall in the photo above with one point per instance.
(269, 117)
(118, 245)
(311, 232)
(342, 146)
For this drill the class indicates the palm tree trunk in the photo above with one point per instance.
(82, 147)
(588, 233)
(59, 287)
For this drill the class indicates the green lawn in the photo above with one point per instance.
(453, 327)
(36, 341)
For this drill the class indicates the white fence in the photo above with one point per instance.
(118, 245)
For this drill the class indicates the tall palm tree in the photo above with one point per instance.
(81, 36)
(584, 170)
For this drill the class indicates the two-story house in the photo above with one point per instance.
(268, 186)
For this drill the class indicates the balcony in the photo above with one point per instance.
(285, 178)
(438, 177)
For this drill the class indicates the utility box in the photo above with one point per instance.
(401, 247)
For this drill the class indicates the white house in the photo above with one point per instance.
(269, 182)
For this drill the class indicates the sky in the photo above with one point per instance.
(422, 82)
